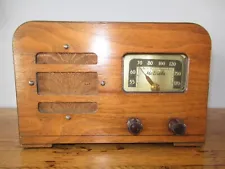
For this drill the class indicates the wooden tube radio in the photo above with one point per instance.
(102, 82)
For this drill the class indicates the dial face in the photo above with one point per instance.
(155, 73)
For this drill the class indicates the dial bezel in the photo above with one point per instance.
(174, 57)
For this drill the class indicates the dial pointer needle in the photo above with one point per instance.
(154, 86)
(147, 78)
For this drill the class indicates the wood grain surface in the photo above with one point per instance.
(67, 83)
(110, 42)
(113, 156)
(66, 58)
(75, 107)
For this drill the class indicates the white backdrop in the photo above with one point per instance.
(208, 13)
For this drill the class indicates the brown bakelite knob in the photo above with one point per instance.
(134, 126)
(177, 126)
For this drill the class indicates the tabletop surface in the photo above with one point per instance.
(113, 156)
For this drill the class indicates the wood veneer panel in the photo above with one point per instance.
(67, 83)
(72, 107)
(66, 58)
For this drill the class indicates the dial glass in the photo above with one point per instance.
(155, 73)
